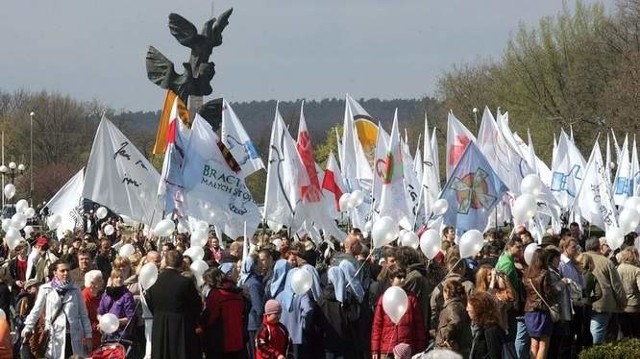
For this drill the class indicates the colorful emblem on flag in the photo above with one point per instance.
(472, 191)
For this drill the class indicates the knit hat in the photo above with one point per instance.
(272, 306)
(402, 351)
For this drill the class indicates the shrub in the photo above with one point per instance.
(626, 348)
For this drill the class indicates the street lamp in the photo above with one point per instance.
(31, 160)
(475, 116)
(12, 171)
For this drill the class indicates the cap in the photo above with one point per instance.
(272, 306)
(30, 283)
(402, 351)
(42, 242)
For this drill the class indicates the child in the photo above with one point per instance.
(272, 338)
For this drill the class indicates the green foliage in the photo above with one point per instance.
(580, 68)
(323, 149)
(627, 348)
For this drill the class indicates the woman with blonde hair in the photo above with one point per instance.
(500, 290)
(118, 300)
(630, 278)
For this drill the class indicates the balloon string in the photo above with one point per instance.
(360, 268)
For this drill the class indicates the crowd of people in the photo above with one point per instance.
(572, 292)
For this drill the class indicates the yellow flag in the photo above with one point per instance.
(160, 145)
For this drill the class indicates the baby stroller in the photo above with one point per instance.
(112, 350)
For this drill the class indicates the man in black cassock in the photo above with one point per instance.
(176, 305)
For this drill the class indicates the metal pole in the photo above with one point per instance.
(31, 160)
(3, 173)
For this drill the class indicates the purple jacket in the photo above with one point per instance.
(118, 301)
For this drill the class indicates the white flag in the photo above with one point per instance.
(67, 203)
(430, 170)
(235, 138)
(393, 202)
(118, 176)
(568, 171)
(458, 138)
(594, 199)
(285, 176)
(622, 185)
(215, 193)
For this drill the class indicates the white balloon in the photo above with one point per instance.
(30, 213)
(3, 315)
(410, 239)
(528, 252)
(194, 252)
(108, 229)
(356, 198)
(430, 243)
(6, 224)
(126, 250)
(164, 228)
(9, 190)
(301, 281)
(182, 228)
(384, 231)
(203, 226)
(440, 207)
(344, 202)
(524, 208)
(12, 233)
(531, 184)
(368, 226)
(148, 275)
(28, 230)
(199, 238)
(109, 323)
(395, 303)
(54, 221)
(471, 243)
(633, 202)
(21, 206)
(13, 242)
(615, 237)
(101, 212)
(628, 220)
(18, 221)
(198, 267)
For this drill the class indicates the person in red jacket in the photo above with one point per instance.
(272, 338)
(385, 335)
(224, 322)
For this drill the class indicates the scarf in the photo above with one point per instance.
(247, 269)
(61, 286)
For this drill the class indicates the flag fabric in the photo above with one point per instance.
(67, 203)
(430, 170)
(171, 187)
(417, 161)
(285, 176)
(472, 191)
(568, 171)
(458, 137)
(594, 199)
(608, 159)
(616, 147)
(411, 184)
(507, 162)
(118, 176)
(332, 180)
(382, 149)
(622, 184)
(393, 201)
(352, 149)
(214, 192)
(235, 138)
(160, 146)
(635, 169)
(435, 154)
(312, 212)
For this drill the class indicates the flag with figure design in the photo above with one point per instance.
(235, 138)
(473, 190)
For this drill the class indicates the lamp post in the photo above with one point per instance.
(12, 171)
(475, 116)
(31, 161)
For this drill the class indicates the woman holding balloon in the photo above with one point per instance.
(117, 300)
(397, 319)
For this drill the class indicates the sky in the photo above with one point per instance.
(278, 49)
